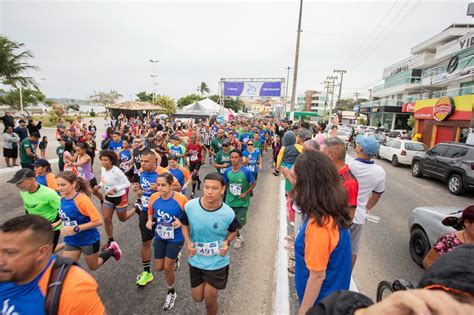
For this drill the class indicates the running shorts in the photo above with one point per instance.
(241, 214)
(194, 166)
(86, 250)
(216, 278)
(147, 235)
(163, 248)
(120, 203)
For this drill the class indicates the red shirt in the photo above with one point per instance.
(350, 184)
(196, 157)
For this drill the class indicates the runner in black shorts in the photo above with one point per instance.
(196, 152)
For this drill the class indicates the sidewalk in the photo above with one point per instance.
(52, 144)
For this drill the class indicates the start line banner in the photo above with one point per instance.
(252, 89)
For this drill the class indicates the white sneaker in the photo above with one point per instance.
(238, 242)
(169, 303)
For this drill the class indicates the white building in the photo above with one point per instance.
(441, 65)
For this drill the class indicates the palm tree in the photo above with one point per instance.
(203, 88)
(13, 63)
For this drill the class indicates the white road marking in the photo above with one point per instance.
(281, 303)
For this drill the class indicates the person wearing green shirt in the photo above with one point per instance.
(38, 199)
(59, 153)
(256, 142)
(216, 143)
(240, 182)
(222, 158)
(27, 150)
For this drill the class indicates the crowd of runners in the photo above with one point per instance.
(159, 160)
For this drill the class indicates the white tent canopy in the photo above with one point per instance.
(209, 105)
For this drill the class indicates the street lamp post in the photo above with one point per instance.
(286, 88)
(153, 77)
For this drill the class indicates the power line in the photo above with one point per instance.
(372, 32)
(383, 40)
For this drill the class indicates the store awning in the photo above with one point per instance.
(135, 106)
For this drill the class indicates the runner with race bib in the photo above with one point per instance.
(209, 225)
(164, 207)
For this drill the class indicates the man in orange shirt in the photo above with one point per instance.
(26, 262)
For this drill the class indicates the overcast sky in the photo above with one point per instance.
(84, 46)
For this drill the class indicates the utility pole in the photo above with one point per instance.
(326, 83)
(370, 94)
(331, 80)
(295, 72)
(153, 78)
(356, 94)
(286, 88)
(340, 84)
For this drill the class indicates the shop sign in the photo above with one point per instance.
(443, 108)
(399, 69)
(408, 107)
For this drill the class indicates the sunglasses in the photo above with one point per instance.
(249, 143)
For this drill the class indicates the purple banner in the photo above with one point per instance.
(252, 89)
(233, 88)
(271, 89)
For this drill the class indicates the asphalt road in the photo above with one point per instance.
(384, 253)
(251, 282)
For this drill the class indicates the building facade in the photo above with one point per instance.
(442, 65)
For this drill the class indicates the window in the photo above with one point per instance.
(456, 152)
(415, 146)
(439, 150)
(389, 143)
(396, 145)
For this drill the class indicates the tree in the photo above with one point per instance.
(234, 104)
(105, 98)
(166, 103)
(411, 121)
(189, 99)
(14, 63)
(145, 97)
(348, 103)
(30, 96)
(202, 88)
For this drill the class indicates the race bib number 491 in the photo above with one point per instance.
(207, 249)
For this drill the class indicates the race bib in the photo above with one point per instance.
(81, 174)
(123, 166)
(193, 157)
(235, 189)
(145, 201)
(69, 223)
(207, 249)
(165, 232)
(251, 167)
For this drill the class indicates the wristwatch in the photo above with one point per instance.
(77, 229)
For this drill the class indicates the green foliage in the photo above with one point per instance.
(189, 99)
(234, 104)
(145, 97)
(202, 88)
(411, 121)
(105, 98)
(14, 62)
(30, 96)
(166, 103)
(74, 107)
(48, 102)
(348, 103)
(53, 117)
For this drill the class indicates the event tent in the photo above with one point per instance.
(201, 109)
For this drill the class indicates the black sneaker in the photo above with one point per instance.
(199, 185)
(138, 208)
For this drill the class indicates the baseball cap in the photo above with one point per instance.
(452, 272)
(21, 175)
(42, 162)
(369, 145)
(226, 142)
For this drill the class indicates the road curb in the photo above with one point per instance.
(9, 170)
(281, 303)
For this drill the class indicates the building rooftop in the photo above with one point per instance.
(450, 33)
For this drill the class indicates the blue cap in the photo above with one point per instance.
(369, 145)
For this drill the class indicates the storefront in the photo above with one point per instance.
(390, 117)
(444, 119)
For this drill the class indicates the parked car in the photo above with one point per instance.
(378, 136)
(451, 162)
(397, 133)
(426, 226)
(401, 151)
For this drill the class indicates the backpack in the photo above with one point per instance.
(59, 272)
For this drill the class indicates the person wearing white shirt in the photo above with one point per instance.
(371, 178)
(115, 184)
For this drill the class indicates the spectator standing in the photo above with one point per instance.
(21, 130)
(43, 145)
(8, 121)
(371, 179)
(10, 146)
(27, 151)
